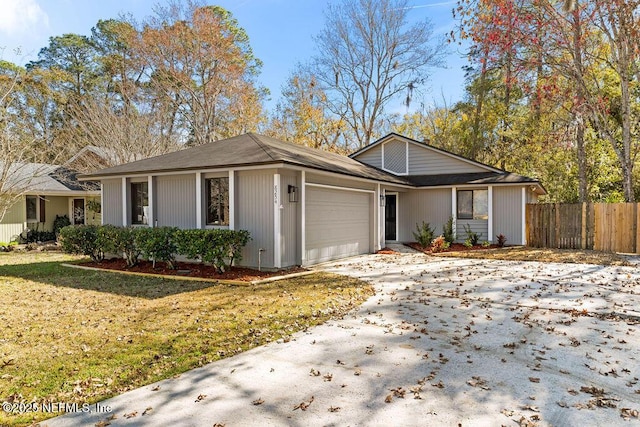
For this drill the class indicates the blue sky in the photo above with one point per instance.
(280, 31)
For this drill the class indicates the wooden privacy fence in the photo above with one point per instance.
(609, 227)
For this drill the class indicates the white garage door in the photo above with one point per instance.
(337, 223)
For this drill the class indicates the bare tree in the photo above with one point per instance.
(369, 56)
(119, 135)
(18, 166)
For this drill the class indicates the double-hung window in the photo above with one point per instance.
(139, 202)
(473, 204)
(217, 195)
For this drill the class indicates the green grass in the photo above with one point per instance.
(76, 336)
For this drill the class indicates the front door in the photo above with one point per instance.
(390, 220)
(78, 211)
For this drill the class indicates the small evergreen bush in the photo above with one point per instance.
(423, 234)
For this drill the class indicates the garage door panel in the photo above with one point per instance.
(337, 224)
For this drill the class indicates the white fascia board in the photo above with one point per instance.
(185, 172)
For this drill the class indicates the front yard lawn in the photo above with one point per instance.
(76, 336)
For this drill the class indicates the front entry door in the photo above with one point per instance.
(390, 220)
(78, 211)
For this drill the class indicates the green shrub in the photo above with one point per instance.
(447, 231)
(60, 222)
(120, 241)
(439, 244)
(238, 239)
(472, 237)
(157, 244)
(34, 236)
(82, 240)
(218, 247)
(423, 234)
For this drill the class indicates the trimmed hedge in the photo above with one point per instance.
(82, 240)
(212, 246)
(215, 246)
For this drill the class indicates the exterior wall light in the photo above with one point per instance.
(293, 193)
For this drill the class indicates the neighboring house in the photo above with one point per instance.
(91, 158)
(304, 206)
(48, 190)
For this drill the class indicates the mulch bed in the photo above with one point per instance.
(454, 247)
(188, 269)
(387, 251)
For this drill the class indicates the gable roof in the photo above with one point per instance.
(42, 178)
(249, 149)
(425, 146)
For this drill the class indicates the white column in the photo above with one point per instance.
(277, 256)
(490, 214)
(232, 199)
(376, 220)
(454, 211)
(383, 225)
(124, 202)
(524, 215)
(199, 208)
(152, 218)
(303, 216)
(102, 202)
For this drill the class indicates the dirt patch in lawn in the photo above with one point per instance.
(522, 253)
(186, 269)
(519, 253)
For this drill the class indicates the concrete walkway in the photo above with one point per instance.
(444, 342)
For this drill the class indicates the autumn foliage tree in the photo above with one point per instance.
(198, 61)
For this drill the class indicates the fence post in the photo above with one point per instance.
(583, 232)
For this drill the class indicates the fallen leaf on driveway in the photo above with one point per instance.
(628, 413)
(334, 408)
(146, 411)
(131, 414)
(200, 397)
(534, 379)
(258, 401)
(303, 405)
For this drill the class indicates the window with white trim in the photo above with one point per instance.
(473, 204)
(139, 203)
(217, 199)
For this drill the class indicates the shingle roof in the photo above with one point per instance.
(252, 149)
(43, 178)
(469, 178)
(247, 150)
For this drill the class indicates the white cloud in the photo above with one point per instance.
(21, 17)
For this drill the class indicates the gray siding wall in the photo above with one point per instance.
(423, 161)
(432, 206)
(395, 156)
(480, 226)
(507, 213)
(372, 157)
(289, 220)
(112, 201)
(255, 214)
(175, 201)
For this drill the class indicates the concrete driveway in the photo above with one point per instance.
(444, 342)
